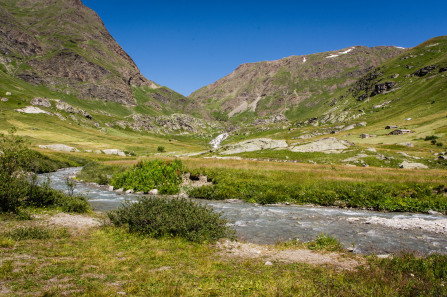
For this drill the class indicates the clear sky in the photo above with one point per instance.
(186, 45)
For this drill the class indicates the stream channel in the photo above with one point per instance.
(368, 232)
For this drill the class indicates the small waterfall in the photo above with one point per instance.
(217, 141)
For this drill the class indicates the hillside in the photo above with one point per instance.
(59, 66)
(297, 86)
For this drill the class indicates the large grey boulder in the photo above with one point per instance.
(59, 147)
(326, 145)
(114, 152)
(408, 165)
(252, 145)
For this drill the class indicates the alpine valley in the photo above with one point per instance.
(64, 80)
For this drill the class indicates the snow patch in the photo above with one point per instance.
(331, 56)
(341, 53)
(399, 47)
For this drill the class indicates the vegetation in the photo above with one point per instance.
(267, 187)
(110, 261)
(325, 242)
(18, 184)
(165, 176)
(160, 217)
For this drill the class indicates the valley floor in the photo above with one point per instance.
(85, 256)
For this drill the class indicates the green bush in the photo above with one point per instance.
(432, 137)
(158, 217)
(165, 176)
(161, 149)
(325, 242)
(13, 159)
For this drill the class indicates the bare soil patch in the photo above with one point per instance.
(295, 255)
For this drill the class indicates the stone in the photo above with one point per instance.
(408, 165)
(130, 191)
(364, 135)
(4, 99)
(59, 147)
(268, 263)
(203, 178)
(350, 127)
(328, 145)
(371, 149)
(120, 190)
(8, 94)
(153, 192)
(436, 213)
(407, 144)
(111, 188)
(253, 145)
(98, 152)
(32, 110)
(41, 102)
(114, 152)
(361, 124)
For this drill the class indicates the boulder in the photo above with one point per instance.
(408, 165)
(252, 145)
(350, 127)
(59, 147)
(8, 94)
(41, 102)
(114, 152)
(120, 190)
(111, 188)
(153, 192)
(130, 191)
(327, 145)
(4, 99)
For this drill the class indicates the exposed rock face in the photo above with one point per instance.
(65, 46)
(382, 88)
(61, 105)
(114, 152)
(271, 87)
(31, 110)
(327, 145)
(41, 102)
(253, 145)
(425, 70)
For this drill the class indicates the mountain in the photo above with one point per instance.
(297, 86)
(63, 45)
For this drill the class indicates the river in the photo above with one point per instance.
(367, 232)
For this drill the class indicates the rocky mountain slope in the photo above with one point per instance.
(297, 86)
(65, 46)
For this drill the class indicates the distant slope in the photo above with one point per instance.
(63, 45)
(411, 85)
(297, 86)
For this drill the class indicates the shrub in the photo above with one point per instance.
(439, 144)
(325, 242)
(158, 217)
(161, 149)
(165, 176)
(432, 137)
(433, 141)
(13, 159)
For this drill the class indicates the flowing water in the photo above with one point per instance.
(367, 231)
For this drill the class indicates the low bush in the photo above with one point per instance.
(431, 137)
(166, 176)
(158, 217)
(325, 242)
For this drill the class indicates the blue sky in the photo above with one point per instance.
(186, 45)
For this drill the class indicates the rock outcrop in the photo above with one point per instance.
(326, 145)
(252, 145)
